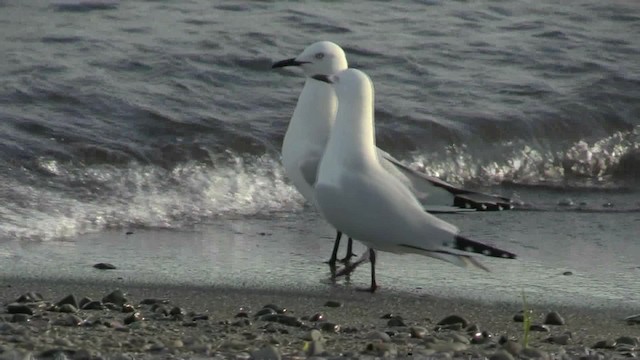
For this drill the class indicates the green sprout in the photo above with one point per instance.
(526, 322)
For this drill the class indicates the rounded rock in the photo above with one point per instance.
(538, 327)
(317, 317)
(554, 318)
(379, 335)
(104, 266)
(329, 327)
(265, 311)
(17, 308)
(276, 308)
(396, 321)
(454, 319)
(136, 316)
(333, 304)
(115, 297)
(628, 340)
(605, 344)
(418, 332)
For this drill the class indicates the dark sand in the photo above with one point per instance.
(359, 317)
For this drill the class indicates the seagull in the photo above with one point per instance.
(308, 132)
(358, 195)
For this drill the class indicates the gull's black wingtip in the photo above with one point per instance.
(465, 244)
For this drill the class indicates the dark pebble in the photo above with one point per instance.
(128, 308)
(519, 317)
(388, 316)
(68, 308)
(200, 317)
(129, 233)
(396, 321)
(553, 318)
(153, 301)
(242, 314)
(567, 273)
(628, 340)
(112, 306)
(115, 297)
(265, 311)
(481, 338)
(93, 305)
(18, 318)
(333, 304)
(289, 320)
(276, 308)
(30, 297)
(176, 311)
(329, 327)
(136, 316)
(454, 319)
(104, 266)
(69, 299)
(317, 317)
(605, 344)
(85, 300)
(538, 327)
(19, 309)
(633, 319)
(418, 332)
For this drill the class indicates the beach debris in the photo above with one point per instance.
(554, 318)
(104, 266)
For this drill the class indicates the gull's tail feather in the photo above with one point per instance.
(466, 244)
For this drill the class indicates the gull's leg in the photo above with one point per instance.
(350, 253)
(372, 257)
(334, 253)
(350, 267)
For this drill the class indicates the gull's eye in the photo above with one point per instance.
(319, 56)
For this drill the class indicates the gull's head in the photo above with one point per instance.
(349, 82)
(321, 58)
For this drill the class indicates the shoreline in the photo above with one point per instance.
(358, 319)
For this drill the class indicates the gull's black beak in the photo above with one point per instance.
(323, 78)
(287, 62)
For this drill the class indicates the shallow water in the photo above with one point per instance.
(287, 251)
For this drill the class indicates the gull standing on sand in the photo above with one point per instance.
(308, 132)
(356, 194)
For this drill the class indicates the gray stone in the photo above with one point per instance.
(538, 327)
(531, 353)
(605, 344)
(176, 311)
(276, 308)
(553, 318)
(104, 266)
(265, 311)
(563, 339)
(418, 332)
(93, 305)
(18, 318)
(329, 327)
(514, 348)
(68, 308)
(136, 316)
(379, 335)
(317, 317)
(68, 320)
(333, 304)
(633, 319)
(381, 349)
(315, 348)
(17, 308)
(152, 301)
(69, 299)
(115, 297)
(30, 297)
(627, 340)
(84, 301)
(519, 317)
(269, 352)
(396, 321)
(501, 355)
(454, 319)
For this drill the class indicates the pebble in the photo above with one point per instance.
(18, 318)
(85, 300)
(104, 266)
(128, 308)
(314, 348)
(379, 335)
(242, 314)
(317, 317)
(445, 346)
(566, 202)
(384, 350)
(67, 308)
(628, 340)
(563, 339)
(30, 297)
(567, 273)
(276, 308)
(176, 310)
(605, 344)
(93, 305)
(538, 327)
(69, 299)
(329, 327)
(115, 297)
(501, 355)
(265, 311)
(68, 320)
(269, 352)
(633, 319)
(553, 318)
(514, 348)
(418, 332)
(333, 304)
(519, 317)
(531, 353)
(18, 308)
(136, 316)
(152, 301)
(396, 321)
(454, 319)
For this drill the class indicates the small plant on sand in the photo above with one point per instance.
(526, 320)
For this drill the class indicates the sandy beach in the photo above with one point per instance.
(172, 321)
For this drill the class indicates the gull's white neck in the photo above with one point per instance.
(352, 140)
(313, 116)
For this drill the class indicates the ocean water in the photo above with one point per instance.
(165, 115)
